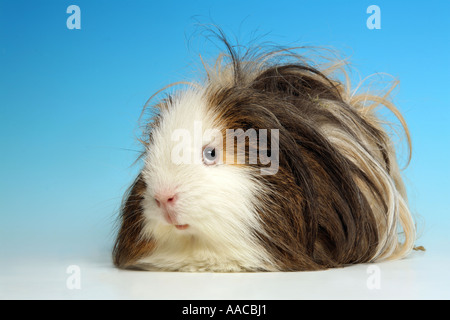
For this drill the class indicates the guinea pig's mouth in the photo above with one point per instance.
(181, 226)
(171, 218)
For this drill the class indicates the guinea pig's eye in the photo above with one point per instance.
(210, 155)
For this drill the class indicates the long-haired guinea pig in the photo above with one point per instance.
(269, 163)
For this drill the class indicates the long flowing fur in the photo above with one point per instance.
(338, 197)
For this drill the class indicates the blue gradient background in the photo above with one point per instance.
(70, 99)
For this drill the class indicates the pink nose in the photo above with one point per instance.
(166, 199)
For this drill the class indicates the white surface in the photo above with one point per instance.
(424, 275)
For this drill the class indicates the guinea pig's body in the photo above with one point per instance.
(335, 197)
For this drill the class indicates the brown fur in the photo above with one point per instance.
(130, 245)
(316, 217)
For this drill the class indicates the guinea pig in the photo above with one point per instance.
(268, 163)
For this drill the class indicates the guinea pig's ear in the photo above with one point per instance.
(130, 245)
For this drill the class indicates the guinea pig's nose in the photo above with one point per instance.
(166, 198)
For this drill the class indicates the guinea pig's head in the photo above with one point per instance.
(197, 205)
(197, 196)
(264, 166)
